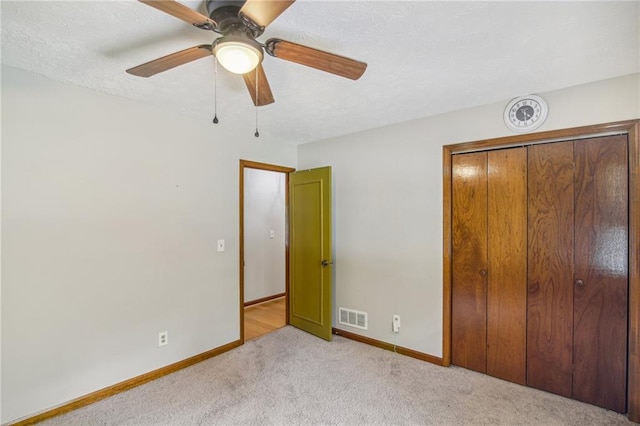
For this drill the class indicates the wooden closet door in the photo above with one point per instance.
(507, 260)
(469, 261)
(601, 272)
(550, 267)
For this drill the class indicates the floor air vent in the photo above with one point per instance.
(353, 318)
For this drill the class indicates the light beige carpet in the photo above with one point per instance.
(289, 377)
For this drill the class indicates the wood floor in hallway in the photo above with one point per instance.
(264, 318)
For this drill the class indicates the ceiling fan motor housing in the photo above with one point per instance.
(215, 4)
(226, 13)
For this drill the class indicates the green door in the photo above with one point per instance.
(310, 251)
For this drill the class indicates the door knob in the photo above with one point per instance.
(326, 262)
(483, 272)
(579, 283)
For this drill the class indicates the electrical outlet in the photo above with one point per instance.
(163, 338)
(395, 323)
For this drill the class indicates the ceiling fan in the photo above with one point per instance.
(239, 23)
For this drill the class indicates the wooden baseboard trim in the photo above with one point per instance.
(264, 299)
(388, 346)
(125, 386)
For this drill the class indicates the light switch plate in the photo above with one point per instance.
(220, 245)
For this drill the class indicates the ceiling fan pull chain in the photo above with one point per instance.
(257, 134)
(215, 91)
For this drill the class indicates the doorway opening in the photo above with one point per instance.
(264, 248)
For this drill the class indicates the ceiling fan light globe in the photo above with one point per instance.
(237, 57)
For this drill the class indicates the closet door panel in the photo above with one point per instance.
(601, 272)
(469, 260)
(550, 267)
(507, 259)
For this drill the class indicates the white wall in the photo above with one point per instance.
(111, 212)
(264, 211)
(388, 204)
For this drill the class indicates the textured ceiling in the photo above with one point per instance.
(424, 57)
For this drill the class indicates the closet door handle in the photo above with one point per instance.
(483, 272)
(580, 283)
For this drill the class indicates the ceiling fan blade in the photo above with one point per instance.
(183, 12)
(264, 12)
(314, 58)
(265, 96)
(171, 61)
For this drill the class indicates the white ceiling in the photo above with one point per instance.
(424, 57)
